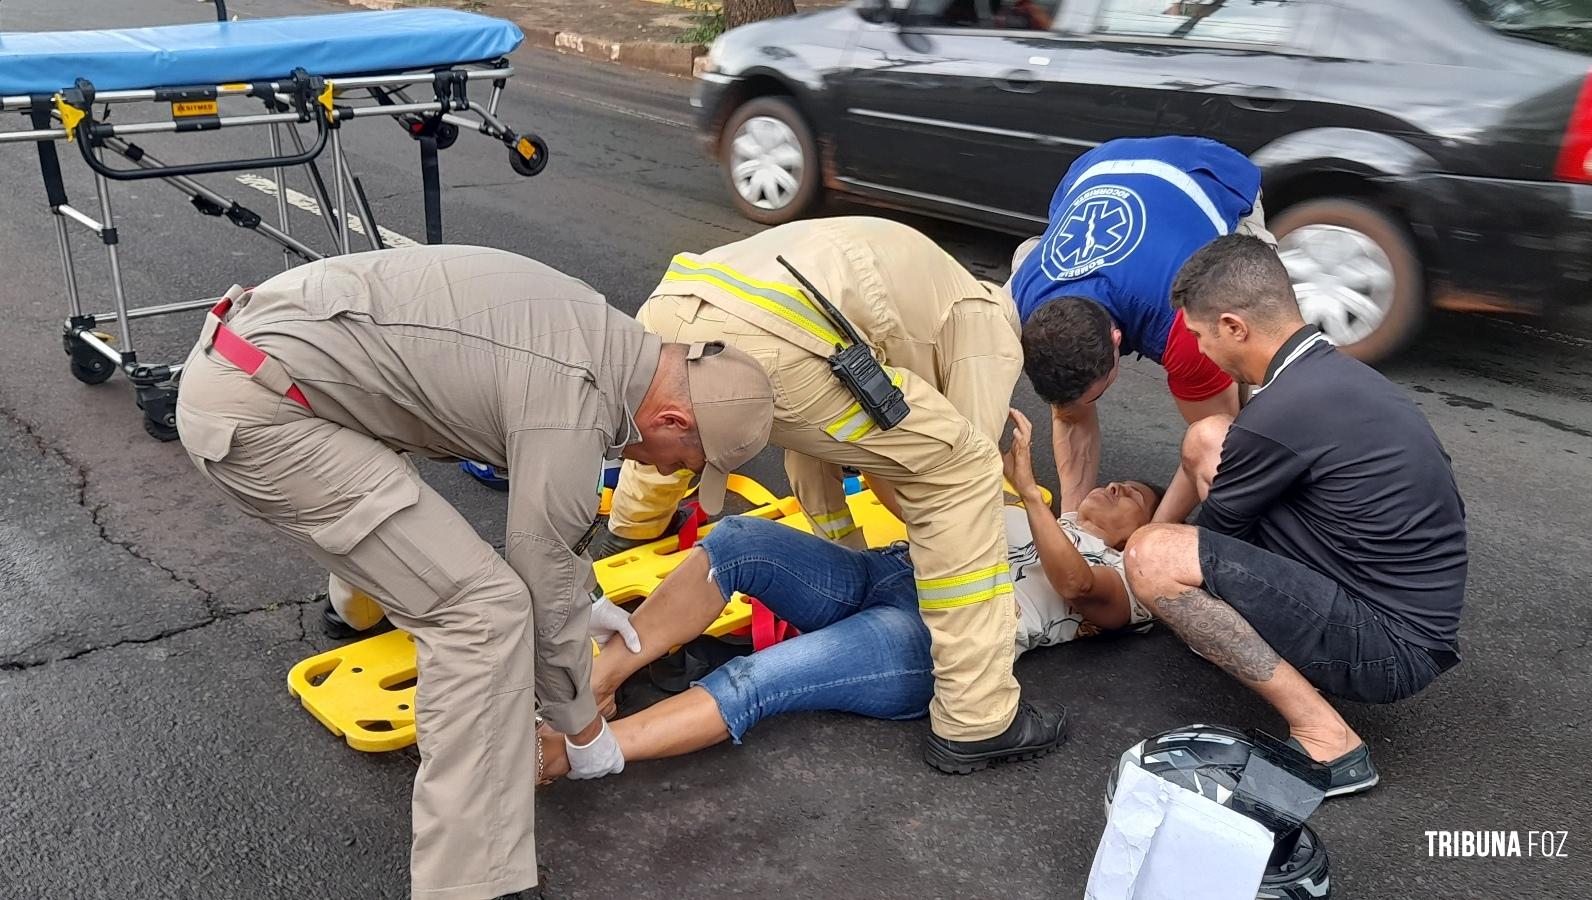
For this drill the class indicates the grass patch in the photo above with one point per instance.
(707, 21)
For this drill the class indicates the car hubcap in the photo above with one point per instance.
(766, 162)
(1342, 278)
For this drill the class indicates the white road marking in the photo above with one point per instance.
(1547, 334)
(308, 204)
(622, 110)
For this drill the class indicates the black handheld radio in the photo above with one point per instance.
(855, 366)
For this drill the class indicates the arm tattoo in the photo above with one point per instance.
(1217, 632)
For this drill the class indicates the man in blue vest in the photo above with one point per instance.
(1098, 284)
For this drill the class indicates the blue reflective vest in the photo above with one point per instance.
(1125, 218)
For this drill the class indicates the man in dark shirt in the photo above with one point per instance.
(1330, 550)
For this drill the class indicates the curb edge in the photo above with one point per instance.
(655, 56)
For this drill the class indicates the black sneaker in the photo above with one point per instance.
(1352, 773)
(1030, 736)
(606, 543)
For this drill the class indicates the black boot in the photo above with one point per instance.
(1030, 736)
(333, 624)
(606, 543)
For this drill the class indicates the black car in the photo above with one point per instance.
(1415, 151)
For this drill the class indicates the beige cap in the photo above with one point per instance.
(734, 408)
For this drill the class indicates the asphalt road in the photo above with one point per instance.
(149, 748)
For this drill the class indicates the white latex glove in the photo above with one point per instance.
(600, 757)
(607, 619)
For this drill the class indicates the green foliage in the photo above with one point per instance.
(707, 21)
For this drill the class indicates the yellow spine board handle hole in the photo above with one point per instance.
(70, 116)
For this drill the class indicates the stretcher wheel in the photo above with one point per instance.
(163, 428)
(529, 155)
(93, 371)
(447, 133)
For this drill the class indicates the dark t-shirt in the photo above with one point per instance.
(1331, 465)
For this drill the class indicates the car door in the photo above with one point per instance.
(945, 107)
(1225, 69)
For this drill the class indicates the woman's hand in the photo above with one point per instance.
(1017, 462)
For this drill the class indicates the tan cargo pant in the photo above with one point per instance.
(362, 512)
(945, 472)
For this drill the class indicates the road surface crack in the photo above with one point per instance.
(80, 477)
(1571, 649)
(14, 665)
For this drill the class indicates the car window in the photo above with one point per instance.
(1021, 15)
(1561, 23)
(1225, 21)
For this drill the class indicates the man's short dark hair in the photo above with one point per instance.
(1067, 346)
(1235, 274)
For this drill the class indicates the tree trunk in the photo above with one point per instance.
(739, 12)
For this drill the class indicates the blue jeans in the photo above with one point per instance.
(863, 648)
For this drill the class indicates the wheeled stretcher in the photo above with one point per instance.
(427, 69)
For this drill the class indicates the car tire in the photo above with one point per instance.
(770, 135)
(1353, 263)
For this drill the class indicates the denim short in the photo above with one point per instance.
(1338, 641)
(863, 647)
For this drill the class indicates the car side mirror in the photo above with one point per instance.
(876, 11)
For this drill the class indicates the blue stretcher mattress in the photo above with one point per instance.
(210, 53)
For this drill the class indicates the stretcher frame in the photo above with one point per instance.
(324, 103)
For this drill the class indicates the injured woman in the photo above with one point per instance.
(863, 648)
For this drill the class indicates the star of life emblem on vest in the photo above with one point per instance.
(1101, 227)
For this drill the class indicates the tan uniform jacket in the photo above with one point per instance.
(466, 352)
(950, 342)
(927, 317)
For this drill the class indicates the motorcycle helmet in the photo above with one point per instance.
(1210, 760)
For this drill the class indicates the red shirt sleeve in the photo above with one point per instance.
(1190, 374)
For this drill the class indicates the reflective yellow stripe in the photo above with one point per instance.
(963, 590)
(835, 525)
(854, 424)
(837, 534)
(968, 600)
(933, 584)
(782, 300)
(851, 426)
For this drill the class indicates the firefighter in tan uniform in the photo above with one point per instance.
(297, 403)
(950, 342)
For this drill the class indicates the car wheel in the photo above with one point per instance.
(1355, 273)
(769, 160)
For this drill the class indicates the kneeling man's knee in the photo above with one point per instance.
(1202, 443)
(1162, 560)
